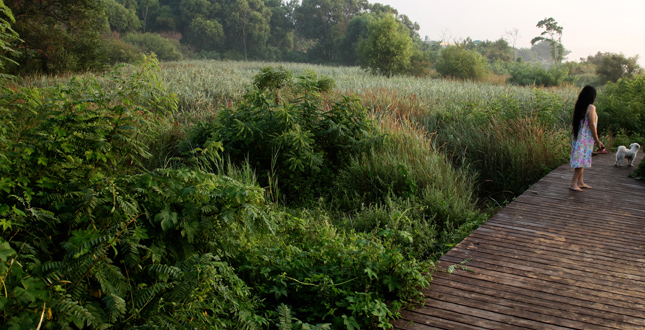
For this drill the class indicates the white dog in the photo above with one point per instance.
(629, 154)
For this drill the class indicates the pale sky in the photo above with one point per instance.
(588, 26)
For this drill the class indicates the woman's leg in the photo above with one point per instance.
(577, 174)
(581, 183)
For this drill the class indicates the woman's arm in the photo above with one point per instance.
(593, 124)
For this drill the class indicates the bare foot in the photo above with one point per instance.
(584, 186)
(575, 188)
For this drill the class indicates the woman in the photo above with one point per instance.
(585, 133)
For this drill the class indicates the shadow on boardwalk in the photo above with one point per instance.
(552, 259)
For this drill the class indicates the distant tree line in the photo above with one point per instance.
(79, 35)
(73, 35)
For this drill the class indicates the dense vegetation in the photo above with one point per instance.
(121, 199)
(208, 194)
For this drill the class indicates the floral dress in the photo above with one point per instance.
(582, 147)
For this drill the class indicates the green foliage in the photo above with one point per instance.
(509, 145)
(553, 35)
(621, 106)
(58, 36)
(525, 74)
(272, 80)
(387, 49)
(91, 240)
(117, 51)
(348, 275)
(121, 19)
(7, 36)
(616, 66)
(163, 48)
(458, 62)
(496, 50)
(407, 188)
(296, 142)
(639, 173)
(205, 34)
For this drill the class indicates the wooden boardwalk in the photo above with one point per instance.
(551, 259)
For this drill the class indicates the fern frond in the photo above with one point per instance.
(72, 308)
(114, 306)
(111, 279)
(284, 317)
(144, 296)
(171, 271)
(131, 254)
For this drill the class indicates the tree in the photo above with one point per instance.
(553, 35)
(512, 36)
(145, 6)
(248, 25)
(120, 18)
(206, 34)
(461, 63)
(388, 47)
(325, 22)
(612, 67)
(357, 30)
(496, 50)
(59, 36)
(282, 25)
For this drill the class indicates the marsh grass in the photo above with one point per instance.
(509, 155)
(458, 114)
(407, 186)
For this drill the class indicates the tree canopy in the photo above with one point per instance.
(553, 35)
(387, 48)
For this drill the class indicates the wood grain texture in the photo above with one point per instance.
(551, 259)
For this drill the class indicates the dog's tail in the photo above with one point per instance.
(621, 149)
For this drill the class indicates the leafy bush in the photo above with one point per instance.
(118, 51)
(297, 144)
(86, 240)
(612, 67)
(525, 74)
(165, 49)
(621, 106)
(458, 62)
(328, 276)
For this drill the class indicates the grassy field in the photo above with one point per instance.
(446, 109)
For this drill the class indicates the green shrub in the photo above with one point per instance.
(525, 74)
(297, 144)
(621, 106)
(165, 49)
(458, 62)
(348, 276)
(118, 51)
(87, 240)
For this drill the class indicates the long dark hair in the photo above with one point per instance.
(587, 96)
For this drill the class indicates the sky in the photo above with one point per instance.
(588, 26)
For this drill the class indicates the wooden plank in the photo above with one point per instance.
(552, 259)
(552, 305)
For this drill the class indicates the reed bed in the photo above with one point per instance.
(457, 113)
